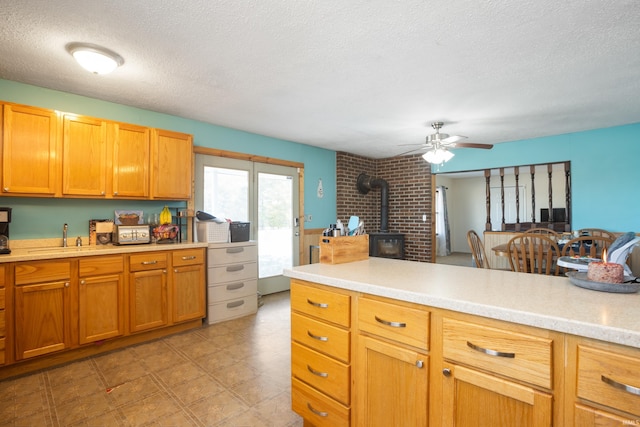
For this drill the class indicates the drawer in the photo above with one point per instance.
(609, 378)
(148, 261)
(321, 372)
(519, 356)
(42, 271)
(404, 324)
(227, 310)
(320, 336)
(3, 324)
(188, 257)
(324, 304)
(2, 303)
(2, 276)
(232, 273)
(232, 290)
(315, 407)
(101, 265)
(232, 255)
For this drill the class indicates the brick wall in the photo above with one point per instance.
(410, 197)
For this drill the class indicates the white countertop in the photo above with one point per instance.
(41, 253)
(530, 299)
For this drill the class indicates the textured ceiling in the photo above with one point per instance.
(358, 76)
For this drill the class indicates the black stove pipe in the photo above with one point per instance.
(366, 183)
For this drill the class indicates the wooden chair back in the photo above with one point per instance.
(534, 253)
(589, 246)
(477, 250)
(598, 232)
(544, 231)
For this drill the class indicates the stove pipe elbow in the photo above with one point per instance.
(365, 183)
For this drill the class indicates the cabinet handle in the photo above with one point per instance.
(315, 411)
(188, 258)
(149, 262)
(317, 304)
(490, 352)
(6, 189)
(115, 193)
(235, 250)
(317, 337)
(446, 372)
(392, 324)
(419, 364)
(83, 282)
(235, 268)
(66, 284)
(628, 388)
(235, 304)
(102, 193)
(318, 373)
(235, 286)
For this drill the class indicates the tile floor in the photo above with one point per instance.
(235, 373)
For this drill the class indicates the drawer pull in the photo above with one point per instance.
(317, 337)
(235, 304)
(490, 352)
(235, 268)
(317, 304)
(419, 364)
(149, 262)
(315, 411)
(187, 258)
(235, 250)
(235, 286)
(392, 324)
(628, 388)
(318, 373)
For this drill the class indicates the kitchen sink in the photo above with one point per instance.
(59, 249)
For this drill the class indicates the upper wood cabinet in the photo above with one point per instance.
(171, 172)
(30, 150)
(131, 158)
(84, 162)
(48, 153)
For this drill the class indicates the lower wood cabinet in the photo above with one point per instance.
(148, 293)
(43, 308)
(101, 298)
(187, 282)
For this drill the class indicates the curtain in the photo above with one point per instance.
(443, 234)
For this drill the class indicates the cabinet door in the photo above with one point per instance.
(392, 385)
(591, 417)
(84, 162)
(42, 318)
(475, 399)
(29, 150)
(188, 293)
(171, 173)
(101, 308)
(148, 300)
(131, 158)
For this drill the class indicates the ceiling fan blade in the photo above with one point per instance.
(410, 151)
(453, 138)
(472, 145)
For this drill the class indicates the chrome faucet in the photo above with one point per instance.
(64, 235)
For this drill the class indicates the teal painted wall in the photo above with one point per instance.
(43, 218)
(604, 171)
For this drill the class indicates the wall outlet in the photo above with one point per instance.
(309, 218)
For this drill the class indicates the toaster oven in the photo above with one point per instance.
(131, 235)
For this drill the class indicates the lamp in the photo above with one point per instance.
(438, 155)
(94, 58)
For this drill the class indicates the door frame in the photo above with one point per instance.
(261, 159)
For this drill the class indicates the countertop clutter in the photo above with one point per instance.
(547, 302)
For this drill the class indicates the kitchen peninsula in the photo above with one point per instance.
(421, 344)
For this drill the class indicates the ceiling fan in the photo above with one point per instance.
(438, 145)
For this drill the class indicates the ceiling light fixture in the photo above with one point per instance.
(95, 59)
(438, 155)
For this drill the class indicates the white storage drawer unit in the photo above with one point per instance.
(232, 280)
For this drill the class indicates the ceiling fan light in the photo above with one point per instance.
(95, 59)
(438, 156)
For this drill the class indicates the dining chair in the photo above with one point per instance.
(477, 250)
(543, 231)
(589, 246)
(533, 253)
(597, 232)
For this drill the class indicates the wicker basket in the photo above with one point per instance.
(213, 232)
